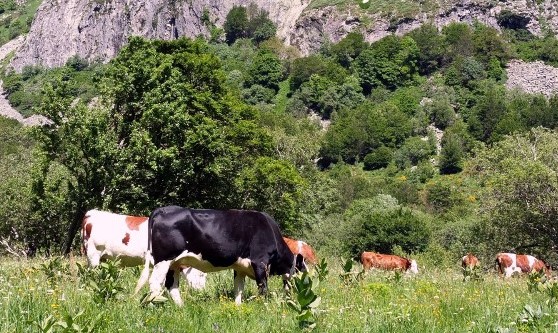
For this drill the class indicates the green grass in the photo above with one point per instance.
(433, 301)
(16, 20)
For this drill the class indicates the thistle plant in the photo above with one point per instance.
(348, 276)
(104, 280)
(304, 300)
(472, 274)
(321, 269)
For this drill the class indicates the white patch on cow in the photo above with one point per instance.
(174, 291)
(186, 258)
(242, 266)
(108, 230)
(196, 278)
(299, 246)
(513, 268)
(531, 260)
(414, 267)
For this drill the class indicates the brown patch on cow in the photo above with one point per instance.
(503, 261)
(126, 239)
(306, 250)
(85, 234)
(541, 265)
(292, 244)
(309, 254)
(133, 222)
(469, 261)
(523, 263)
(88, 229)
(384, 261)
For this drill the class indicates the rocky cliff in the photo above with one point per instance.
(97, 29)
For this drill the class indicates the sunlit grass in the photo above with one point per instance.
(435, 300)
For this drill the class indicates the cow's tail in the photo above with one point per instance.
(148, 258)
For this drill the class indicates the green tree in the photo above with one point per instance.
(348, 48)
(378, 158)
(276, 187)
(166, 132)
(519, 206)
(380, 224)
(488, 43)
(260, 27)
(303, 68)
(413, 151)
(451, 156)
(459, 40)
(236, 24)
(431, 48)
(266, 70)
(390, 62)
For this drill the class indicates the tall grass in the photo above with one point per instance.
(435, 300)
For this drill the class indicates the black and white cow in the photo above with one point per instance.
(249, 242)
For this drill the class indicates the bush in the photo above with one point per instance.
(258, 94)
(77, 63)
(379, 158)
(414, 150)
(379, 224)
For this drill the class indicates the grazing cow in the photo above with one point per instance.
(249, 242)
(108, 235)
(469, 261)
(509, 263)
(387, 262)
(302, 251)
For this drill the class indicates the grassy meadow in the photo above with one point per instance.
(60, 295)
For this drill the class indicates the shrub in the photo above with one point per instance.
(377, 159)
(380, 223)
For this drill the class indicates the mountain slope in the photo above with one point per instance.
(96, 30)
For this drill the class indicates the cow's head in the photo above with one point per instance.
(300, 264)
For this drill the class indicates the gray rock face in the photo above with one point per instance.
(532, 77)
(97, 29)
(318, 25)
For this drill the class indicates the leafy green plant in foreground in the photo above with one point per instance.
(304, 300)
(321, 269)
(104, 280)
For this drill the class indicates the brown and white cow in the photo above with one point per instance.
(469, 261)
(302, 251)
(107, 235)
(387, 262)
(510, 263)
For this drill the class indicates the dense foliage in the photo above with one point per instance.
(410, 144)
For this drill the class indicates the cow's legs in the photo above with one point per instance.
(260, 272)
(158, 277)
(94, 257)
(172, 284)
(238, 287)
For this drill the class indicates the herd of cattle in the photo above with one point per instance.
(185, 242)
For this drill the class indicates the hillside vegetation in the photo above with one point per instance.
(230, 123)
(15, 18)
